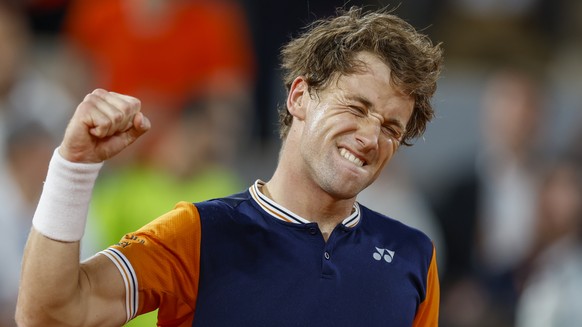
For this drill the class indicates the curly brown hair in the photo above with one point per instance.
(328, 48)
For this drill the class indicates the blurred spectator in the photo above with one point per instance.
(491, 32)
(46, 16)
(166, 53)
(573, 148)
(512, 119)
(570, 23)
(28, 149)
(33, 111)
(26, 95)
(487, 213)
(552, 293)
(24, 91)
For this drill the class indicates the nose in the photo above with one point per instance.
(368, 133)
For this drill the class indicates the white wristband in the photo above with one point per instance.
(62, 210)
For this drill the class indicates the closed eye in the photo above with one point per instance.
(358, 111)
(392, 132)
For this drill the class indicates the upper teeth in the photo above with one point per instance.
(348, 155)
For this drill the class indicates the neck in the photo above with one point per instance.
(296, 191)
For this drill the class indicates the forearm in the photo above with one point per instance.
(51, 288)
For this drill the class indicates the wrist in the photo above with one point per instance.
(62, 210)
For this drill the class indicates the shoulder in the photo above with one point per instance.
(225, 204)
(395, 231)
(237, 207)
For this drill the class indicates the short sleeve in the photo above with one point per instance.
(160, 264)
(427, 314)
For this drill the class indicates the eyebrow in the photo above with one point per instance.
(368, 104)
(364, 101)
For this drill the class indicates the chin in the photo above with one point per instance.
(343, 191)
(341, 182)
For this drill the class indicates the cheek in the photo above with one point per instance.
(325, 126)
(388, 148)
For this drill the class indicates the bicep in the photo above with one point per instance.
(105, 293)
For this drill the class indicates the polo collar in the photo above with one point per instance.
(279, 212)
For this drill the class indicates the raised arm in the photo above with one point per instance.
(55, 289)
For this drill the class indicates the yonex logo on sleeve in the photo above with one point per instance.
(386, 254)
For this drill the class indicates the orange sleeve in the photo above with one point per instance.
(427, 314)
(165, 256)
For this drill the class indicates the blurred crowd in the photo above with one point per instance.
(496, 182)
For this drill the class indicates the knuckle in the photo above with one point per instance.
(126, 109)
(91, 97)
(135, 102)
(117, 117)
(103, 122)
(99, 91)
(85, 106)
(103, 129)
(130, 99)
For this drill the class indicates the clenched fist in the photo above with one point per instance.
(103, 125)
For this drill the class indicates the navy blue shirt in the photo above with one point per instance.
(245, 260)
(257, 269)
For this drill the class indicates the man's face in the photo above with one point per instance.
(352, 128)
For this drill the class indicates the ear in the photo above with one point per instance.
(298, 98)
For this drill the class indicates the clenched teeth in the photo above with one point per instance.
(349, 156)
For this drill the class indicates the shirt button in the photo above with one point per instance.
(326, 255)
(312, 230)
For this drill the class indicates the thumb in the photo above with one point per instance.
(141, 124)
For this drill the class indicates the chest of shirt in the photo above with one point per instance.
(263, 272)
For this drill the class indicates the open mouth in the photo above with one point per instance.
(351, 157)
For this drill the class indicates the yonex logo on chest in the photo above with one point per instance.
(385, 254)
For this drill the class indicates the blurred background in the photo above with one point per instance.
(496, 181)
